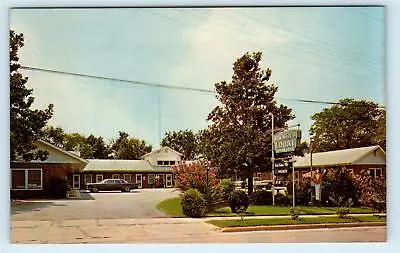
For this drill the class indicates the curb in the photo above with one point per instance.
(302, 226)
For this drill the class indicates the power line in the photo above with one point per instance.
(156, 85)
(164, 86)
(318, 64)
(324, 49)
(351, 56)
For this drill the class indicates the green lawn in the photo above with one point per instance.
(173, 208)
(286, 221)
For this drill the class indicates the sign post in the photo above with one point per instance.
(286, 142)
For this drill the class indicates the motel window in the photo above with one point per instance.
(115, 176)
(351, 171)
(128, 178)
(88, 178)
(159, 162)
(375, 172)
(99, 178)
(151, 178)
(171, 162)
(26, 179)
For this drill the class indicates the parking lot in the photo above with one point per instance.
(103, 205)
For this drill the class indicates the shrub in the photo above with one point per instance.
(58, 187)
(262, 197)
(338, 187)
(303, 194)
(343, 212)
(281, 199)
(239, 201)
(194, 175)
(371, 191)
(193, 203)
(227, 187)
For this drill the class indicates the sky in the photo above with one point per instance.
(319, 53)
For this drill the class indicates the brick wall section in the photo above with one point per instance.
(49, 170)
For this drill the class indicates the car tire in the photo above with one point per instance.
(95, 189)
(126, 189)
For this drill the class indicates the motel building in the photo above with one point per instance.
(371, 159)
(30, 179)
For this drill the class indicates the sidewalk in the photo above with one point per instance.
(128, 230)
(108, 230)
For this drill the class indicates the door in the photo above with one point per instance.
(168, 180)
(76, 181)
(139, 180)
(161, 180)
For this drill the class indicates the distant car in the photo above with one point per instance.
(110, 185)
(258, 183)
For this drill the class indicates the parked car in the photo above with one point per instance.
(258, 183)
(111, 184)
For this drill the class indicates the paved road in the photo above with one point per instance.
(103, 205)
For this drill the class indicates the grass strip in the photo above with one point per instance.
(285, 210)
(287, 221)
(173, 208)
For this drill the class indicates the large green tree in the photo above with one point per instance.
(129, 148)
(183, 141)
(90, 147)
(55, 136)
(26, 124)
(349, 124)
(238, 140)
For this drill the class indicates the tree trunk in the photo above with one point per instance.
(250, 176)
(250, 185)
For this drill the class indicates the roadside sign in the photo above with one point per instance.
(287, 141)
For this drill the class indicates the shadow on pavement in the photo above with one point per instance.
(26, 206)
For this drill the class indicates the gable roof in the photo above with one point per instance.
(337, 157)
(159, 150)
(72, 155)
(103, 165)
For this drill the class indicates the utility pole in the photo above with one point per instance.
(273, 160)
(159, 116)
(311, 169)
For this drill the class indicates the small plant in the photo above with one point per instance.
(294, 214)
(239, 200)
(342, 213)
(193, 204)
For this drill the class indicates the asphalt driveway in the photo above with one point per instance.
(104, 205)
